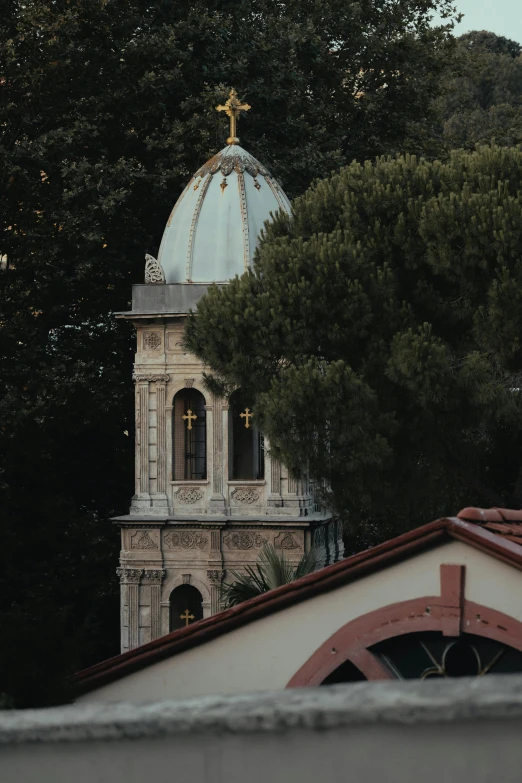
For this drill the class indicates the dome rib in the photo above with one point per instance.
(244, 218)
(193, 226)
(276, 190)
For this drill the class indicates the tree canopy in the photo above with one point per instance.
(483, 100)
(378, 335)
(107, 109)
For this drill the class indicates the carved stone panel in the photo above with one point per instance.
(143, 539)
(174, 341)
(288, 541)
(153, 270)
(188, 495)
(186, 539)
(151, 341)
(245, 495)
(319, 536)
(245, 539)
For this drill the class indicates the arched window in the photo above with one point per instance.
(245, 442)
(430, 654)
(189, 436)
(186, 606)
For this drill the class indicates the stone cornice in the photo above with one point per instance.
(150, 378)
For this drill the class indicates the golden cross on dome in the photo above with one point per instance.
(189, 418)
(233, 107)
(247, 416)
(186, 616)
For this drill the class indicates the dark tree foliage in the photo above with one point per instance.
(107, 107)
(379, 335)
(484, 101)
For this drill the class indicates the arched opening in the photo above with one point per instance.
(189, 436)
(245, 442)
(430, 654)
(186, 606)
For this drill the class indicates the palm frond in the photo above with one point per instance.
(271, 570)
(307, 564)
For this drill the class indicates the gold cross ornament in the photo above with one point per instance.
(187, 617)
(189, 418)
(247, 416)
(233, 107)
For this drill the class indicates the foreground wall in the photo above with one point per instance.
(398, 732)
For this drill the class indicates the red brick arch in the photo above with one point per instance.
(449, 613)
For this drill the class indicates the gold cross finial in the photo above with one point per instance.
(186, 616)
(233, 107)
(247, 416)
(189, 418)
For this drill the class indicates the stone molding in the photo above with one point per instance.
(150, 378)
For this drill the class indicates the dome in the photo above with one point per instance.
(213, 230)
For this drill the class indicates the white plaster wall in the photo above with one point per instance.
(265, 654)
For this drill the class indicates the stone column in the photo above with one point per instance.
(141, 499)
(217, 499)
(274, 493)
(215, 578)
(160, 501)
(224, 449)
(155, 578)
(164, 617)
(291, 497)
(130, 582)
(215, 571)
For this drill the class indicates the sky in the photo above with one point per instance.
(503, 17)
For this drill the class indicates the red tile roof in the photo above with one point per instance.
(504, 522)
(495, 531)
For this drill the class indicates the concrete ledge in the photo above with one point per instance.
(316, 709)
(221, 519)
(165, 299)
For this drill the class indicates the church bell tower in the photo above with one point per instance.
(208, 493)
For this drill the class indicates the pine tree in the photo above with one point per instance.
(379, 336)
